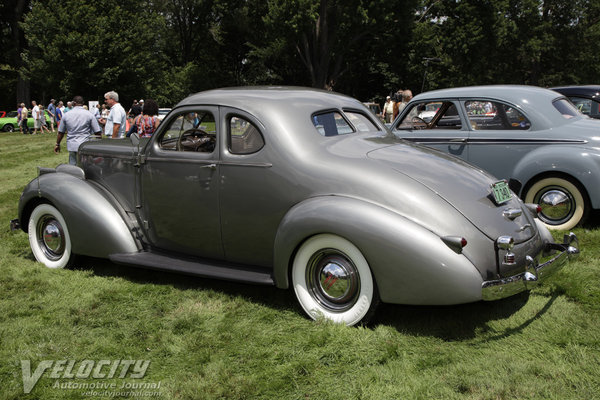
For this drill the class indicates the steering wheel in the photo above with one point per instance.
(196, 140)
(419, 123)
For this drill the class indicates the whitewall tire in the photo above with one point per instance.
(49, 237)
(332, 279)
(563, 204)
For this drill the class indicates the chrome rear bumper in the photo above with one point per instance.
(534, 273)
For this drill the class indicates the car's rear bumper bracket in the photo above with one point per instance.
(534, 273)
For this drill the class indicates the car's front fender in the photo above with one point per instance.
(96, 228)
(410, 264)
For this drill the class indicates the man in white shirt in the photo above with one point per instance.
(35, 111)
(116, 122)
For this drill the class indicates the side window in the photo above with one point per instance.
(190, 131)
(331, 124)
(361, 122)
(585, 106)
(491, 115)
(432, 115)
(244, 136)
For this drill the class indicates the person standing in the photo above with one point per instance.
(116, 123)
(148, 121)
(42, 118)
(19, 109)
(79, 124)
(35, 110)
(24, 114)
(68, 108)
(52, 112)
(388, 109)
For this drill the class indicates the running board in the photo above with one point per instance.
(201, 268)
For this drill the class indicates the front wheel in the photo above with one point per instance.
(563, 204)
(49, 237)
(332, 279)
(8, 128)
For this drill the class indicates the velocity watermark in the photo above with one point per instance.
(64, 371)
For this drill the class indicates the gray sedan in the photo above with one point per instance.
(532, 137)
(295, 188)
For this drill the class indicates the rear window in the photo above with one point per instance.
(333, 123)
(566, 108)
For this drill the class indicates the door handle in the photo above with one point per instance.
(458, 140)
(210, 166)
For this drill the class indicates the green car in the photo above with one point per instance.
(10, 124)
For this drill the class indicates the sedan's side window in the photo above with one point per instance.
(431, 115)
(585, 106)
(190, 131)
(491, 115)
(244, 136)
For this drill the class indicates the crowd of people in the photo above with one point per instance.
(394, 104)
(80, 124)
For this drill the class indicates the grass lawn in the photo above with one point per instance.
(211, 339)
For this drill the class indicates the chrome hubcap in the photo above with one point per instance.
(333, 280)
(51, 237)
(557, 205)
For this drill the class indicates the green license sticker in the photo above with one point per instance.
(502, 193)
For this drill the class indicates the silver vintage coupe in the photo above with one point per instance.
(531, 136)
(294, 188)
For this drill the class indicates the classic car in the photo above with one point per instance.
(533, 137)
(9, 122)
(586, 98)
(294, 188)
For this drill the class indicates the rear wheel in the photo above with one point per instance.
(563, 204)
(49, 237)
(332, 279)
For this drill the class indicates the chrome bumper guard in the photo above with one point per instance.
(534, 274)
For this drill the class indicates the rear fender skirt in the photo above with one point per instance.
(410, 264)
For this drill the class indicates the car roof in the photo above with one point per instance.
(534, 101)
(258, 99)
(592, 91)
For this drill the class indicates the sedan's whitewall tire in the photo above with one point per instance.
(563, 204)
(332, 279)
(49, 237)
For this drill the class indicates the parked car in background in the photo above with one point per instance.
(375, 109)
(586, 98)
(533, 137)
(9, 122)
(236, 184)
(162, 113)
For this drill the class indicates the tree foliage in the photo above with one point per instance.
(167, 49)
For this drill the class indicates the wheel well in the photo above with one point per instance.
(561, 175)
(28, 209)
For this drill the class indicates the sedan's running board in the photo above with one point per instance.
(201, 268)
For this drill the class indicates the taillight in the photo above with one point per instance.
(456, 243)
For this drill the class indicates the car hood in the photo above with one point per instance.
(465, 187)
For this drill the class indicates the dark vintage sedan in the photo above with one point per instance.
(295, 188)
(533, 137)
(586, 98)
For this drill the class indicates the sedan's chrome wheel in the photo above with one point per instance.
(562, 203)
(49, 237)
(332, 279)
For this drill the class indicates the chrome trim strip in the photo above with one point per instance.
(533, 274)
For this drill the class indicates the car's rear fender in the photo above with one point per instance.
(410, 264)
(96, 228)
(580, 164)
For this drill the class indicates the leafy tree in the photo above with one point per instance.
(88, 48)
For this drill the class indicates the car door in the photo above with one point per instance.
(179, 184)
(500, 135)
(435, 123)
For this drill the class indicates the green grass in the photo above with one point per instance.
(211, 339)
